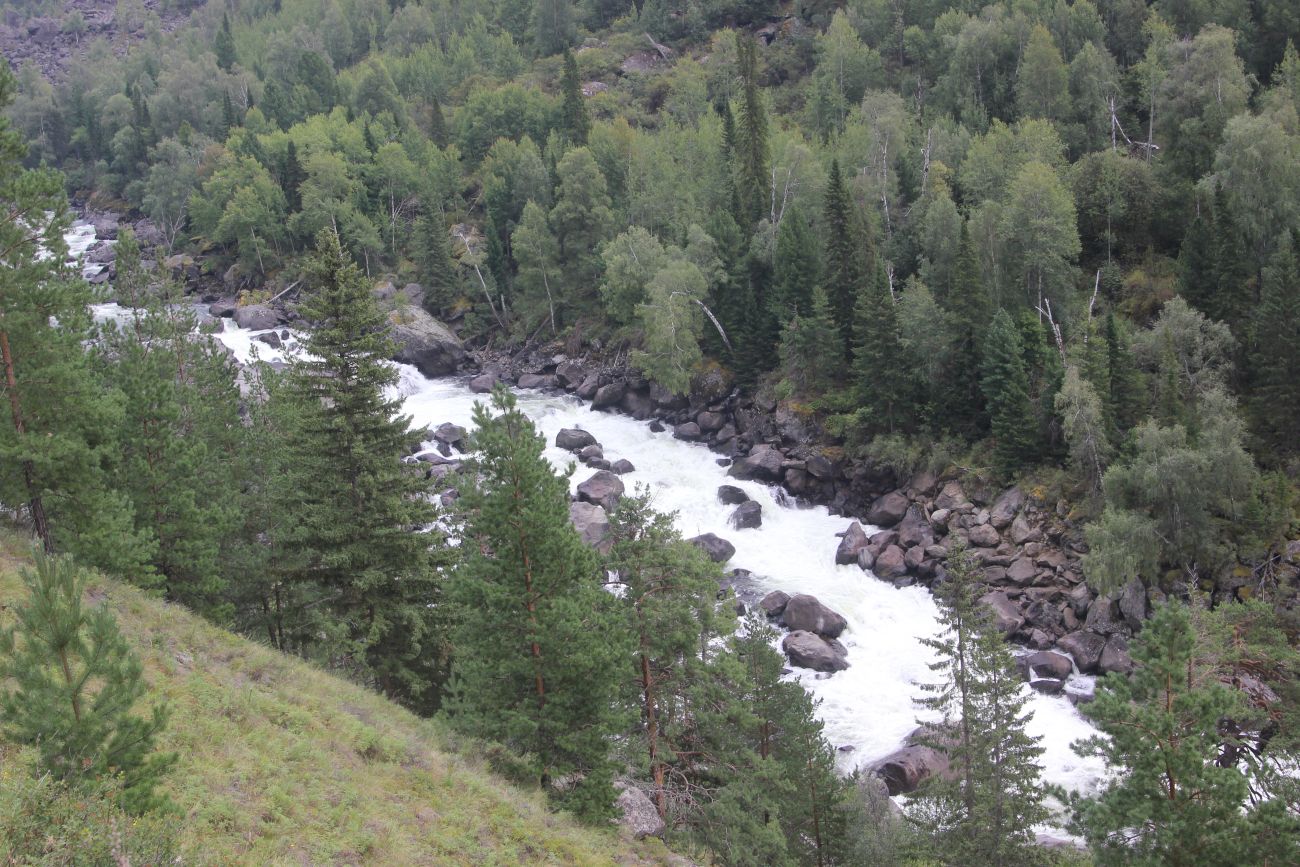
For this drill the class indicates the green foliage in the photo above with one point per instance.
(1274, 372)
(672, 323)
(810, 358)
(439, 273)
(70, 683)
(1005, 384)
(848, 257)
(582, 221)
(577, 123)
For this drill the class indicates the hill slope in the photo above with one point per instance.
(283, 763)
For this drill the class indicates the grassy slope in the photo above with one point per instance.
(283, 763)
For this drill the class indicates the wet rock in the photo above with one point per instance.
(730, 495)
(271, 339)
(762, 462)
(222, 309)
(1047, 686)
(622, 466)
(603, 489)
(809, 614)
(890, 563)
(747, 516)
(570, 374)
(907, 768)
(710, 421)
(638, 814)
(483, 383)
(1006, 508)
(657, 426)
(984, 536)
(590, 453)
(773, 604)
(573, 439)
(1046, 663)
(425, 342)
(866, 559)
(888, 510)
(1085, 647)
(1115, 657)
(588, 387)
(637, 404)
(450, 434)
(1007, 618)
(256, 317)
(689, 431)
(608, 395)
(1133, 604)
(855, 539)
(809, 650)
(536, 380)
(719, 550)
(591, 522)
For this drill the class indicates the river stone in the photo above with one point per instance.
(588, 387)
(449, 434)
(270, 338)
(1085, 647)
(951, 497)
(809, 614)
(1133, 604)
(637, 404)
(808, 650)
(608, 395)
(622, 466)
(906, 769)
(573, 439)
(639, 815)
(591, 522)
(536, 380)
(914, 559)
(570, 374)
(710, 421)
(689, 431)
(820, 467)
(222, 309)
(1047, 685)
(1047, 663)
(855, 539)
(1006, 508)
(256, 317)
(604, 489)
(1006, 616)
(915, 529)
(747, 516)
(763, 462)
(425, 342)
(1114, 656)
(730, 495)
(773, 604)
(1022, 571)
(591, 453)
(888, 510)
(984, 536)
(483, 383)
(718, 549)
(866, 559)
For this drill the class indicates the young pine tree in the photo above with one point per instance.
(438, 271)
(985, 813)
(575, 120)
(1274, 368)
(539, 647)
(352, 547)
(848, 256)
(68, 682)
(883, 385)
(1005, 385)
(795, 268)
(810, 358)
(967, 304)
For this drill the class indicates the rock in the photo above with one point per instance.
(271, 339)
(888, 510)
(1046, 663)
(591, 522)
(1133, 604)
(984, 536)
(809, 614)
(622, 466)
(710, 421)
(748, 516)
(638, 405)
(730, 495)
(1006, 616)
(855, 539)
(915, 529)
(808, 650)
(536, 380)
(1085, 647)
(570, 374)
(604, 489)
(718, 549)
(1103, 617)
(450, 434)
(572, 439)
(608, 395)
(904, 770)
(600, 464)
(588, 387)
(951, 496)
(763, 462)
(1022, 571)
(1022, 531)
(425, 342)
(1006, 508)
(590, 453)
(1114, 656)
(914, 559)
(657, 426)
(1047, 685)
(773, 604)
(820, 467)
(866, 559)
(666, 399)
(483, 383)
(689, 431)
(222, 309)
(890, 563)
(639, 815)
(256, 317)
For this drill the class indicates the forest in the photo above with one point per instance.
(1038, 243)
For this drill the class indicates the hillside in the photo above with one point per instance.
(282, 763)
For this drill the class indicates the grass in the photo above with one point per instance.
(282, 763)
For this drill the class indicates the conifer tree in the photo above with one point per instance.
(810, 357)
(752, 181)
(882, 384)
(68, 683)
(437, 123)
(291, 177)
(1005, 385)
(582, 220)
(576, 122)
(985, 814)
(438, 271)
(967, 304)
(539, 652)
(1123, 395)
(728, 159)
(1169, 801)
(1274, 366)
(848, 256)
(795, 268)
(223, 45)
(552, 26)
(353, 552)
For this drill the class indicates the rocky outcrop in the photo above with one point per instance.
(855, 539)
(425, 342)
(773, 604)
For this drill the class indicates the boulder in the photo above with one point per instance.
(763, 462)
(710, 421)
(1022, 572)
(425, 342)
(773, 604)
(820, 467)
(890, 563)
(1085, 647)
(1006, 507)
(1046, 663)
(639, 815)
(256, 317)
(271, 339)
(638, 405)
(450, 434)
(609, 395)
(1047, 685)
(915, 529)
(221, 309)
(809, 650)
(689, 431)
(1022, 531)
(747, 516)
(730, 495)
(591, 453)
(588, 387)
(536, 380)
(1133, 604)
(1103, 617)
(483, 383)
(573, 439)
(570, 374)
(984, 536)
(1006, 615)
(603, 489)
(622, 466)
(1114, 656)
(809, 614)
(591, 522)
(951, 496)
(718, 549)
(855, 539)
(866, 559)
(904, 770)
(888, 510)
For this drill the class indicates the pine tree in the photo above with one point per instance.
(1005, 385)
(353, 554)
(848, 255)
(795, 269)
(291, 177)
(552, 25)
(1123, 395)
(883, 385)
(752, 181)
(68, 683)
(986, 812)
(437, 123)
(967, 304)
(1169, 801)
(576, 122)
(731, 192)
(810, 357)
(1274, 367)
(582, 220)
(539, 649)
(223, 45)
(439, 273)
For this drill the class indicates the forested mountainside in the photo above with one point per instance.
(1043, 252)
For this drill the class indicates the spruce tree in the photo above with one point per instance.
(353, 551)
(539, 649)
(1274, 366)
(575, 120)
(439, 273)
(731, 191)
(882, 384)
(848, 255)
(752, 181)
(1123, 394)
(68, 683)
(810, 358)
(986, 812)
(1005, 385)
(795, 268)
(967, 304)
(291, 177)
(437, 123)
(223, 45)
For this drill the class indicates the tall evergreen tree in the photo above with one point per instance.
(223, 45)
(1123, 395)
(796, 268)
(731, 191)
(1005, 385)
(882, 384)
(575, 120)
(752, 181)
(68, 684)
(539, 649)
(848, 255)
(1274, 366)
(291, 177)
(552, 26)
(354, 555)
(438, 271)
(967, 304)
(437, 123)
(810, 357)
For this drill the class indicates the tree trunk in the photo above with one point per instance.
(35, 505)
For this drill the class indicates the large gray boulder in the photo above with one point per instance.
(591, 522)
(773, 604)
(730, 495)
(855, 539)
(809, 650)
(719, 550)
(1006, 508)
(1086, 648)
(1047, 663)
(888, 510)
(256, 317)
(763, 462)
(809, 614)
(639, 815)
(609, 395)
(747, 516)
(1115, 657)
(425, 342)
(603, 489)
(1007, 617)
(890, 563)
(572, 439)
